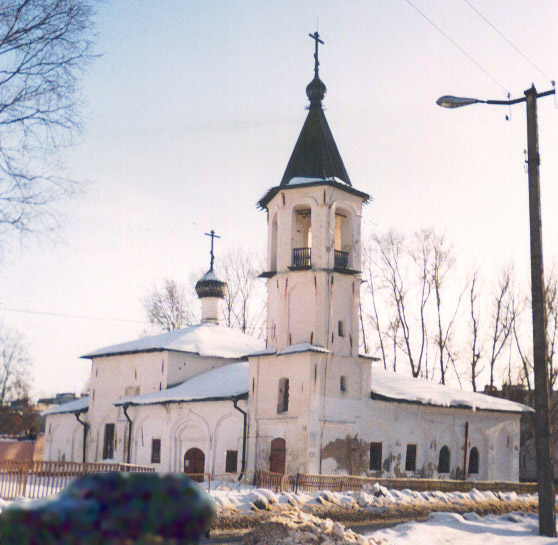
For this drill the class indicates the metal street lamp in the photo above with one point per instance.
(545, 476)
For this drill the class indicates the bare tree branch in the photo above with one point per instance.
(14, 366)
(503, 317)
(168, 307)
(476, 342)
(44, 47)
(244, 304)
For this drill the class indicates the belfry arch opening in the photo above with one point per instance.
(302, 237)
(342, 239)
(273, 245)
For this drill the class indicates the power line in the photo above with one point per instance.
(507, 40)
(457, 46)
(77, 316)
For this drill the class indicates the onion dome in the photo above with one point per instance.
(210, 286)
(316, 91)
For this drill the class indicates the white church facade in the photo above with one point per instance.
(208, 399)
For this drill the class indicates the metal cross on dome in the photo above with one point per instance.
(316, 37)
(213, 236)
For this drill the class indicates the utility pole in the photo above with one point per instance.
(545, 470)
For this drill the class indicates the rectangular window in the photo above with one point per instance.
(411, 458)
(283, 396)
(231, 462)
(376, 456)
(108, 443)
(130, 391)
(155, 451)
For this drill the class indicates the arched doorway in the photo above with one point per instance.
(278, 456)
(194, 464)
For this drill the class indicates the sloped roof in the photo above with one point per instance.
(205, 339)
(77, 405)
(389, 386)
(225, 382)
(231, 380)
(291, 349)
(315, 154)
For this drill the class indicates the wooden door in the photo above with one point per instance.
(278, 456)
(194, 464)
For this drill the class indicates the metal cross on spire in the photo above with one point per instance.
(213, 236)
(316, 37)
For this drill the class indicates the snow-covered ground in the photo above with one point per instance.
(469, 529)
(441, 528)
(374, 497)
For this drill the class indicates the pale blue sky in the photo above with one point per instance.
(194, 108)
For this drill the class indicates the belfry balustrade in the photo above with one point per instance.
(302, 258)
(341, 259)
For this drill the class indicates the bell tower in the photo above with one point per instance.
(314, 247)
(308, 387)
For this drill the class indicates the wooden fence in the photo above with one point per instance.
(38, 479)
(339, 483)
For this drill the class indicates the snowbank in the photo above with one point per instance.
(442, 528)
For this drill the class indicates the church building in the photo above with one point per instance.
(208, 399)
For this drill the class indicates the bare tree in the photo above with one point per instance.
(168, 307)
(244, 306)
(438, 262)
(14, 366)
(476, 342)
(44, 46)
(405, 294)
(371, 280)
(503, 317)
(551, 306)
(522, 336)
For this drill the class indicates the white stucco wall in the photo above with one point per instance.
(307, 305)
(63, 438)
(212, 426)
(184, 365)
(395, 425)
(115, 377)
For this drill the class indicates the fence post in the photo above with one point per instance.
(23, 473)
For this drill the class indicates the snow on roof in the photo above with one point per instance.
(225, 382)
(264, 352)
(297, 180)
(77, 405)
(393, 387)
(205, 339)
(303, 347)
(292, 349)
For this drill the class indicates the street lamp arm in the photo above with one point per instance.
(448, 101)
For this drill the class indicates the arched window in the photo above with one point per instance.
(473, 461)
(444, 460)
(302, 237)
(342, 239)
(273, 248)
(343, 383)
(283, 396)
